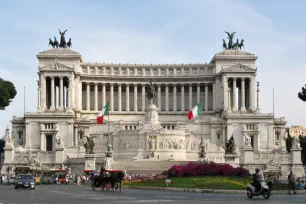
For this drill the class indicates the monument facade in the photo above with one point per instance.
(148, 133)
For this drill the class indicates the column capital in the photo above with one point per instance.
(190, 84)
(119, 84)
(158, 85)
(198, 84)
(96, 83)
(135, 84)
(234, 78)
(87, 83)
(112, 84)
(61, 77)
(206, 83)
(52, 77)
(242, 78)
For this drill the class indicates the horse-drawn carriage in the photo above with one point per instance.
(107, 180)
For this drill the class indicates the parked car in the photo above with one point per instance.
(25, 181)
(9, 181)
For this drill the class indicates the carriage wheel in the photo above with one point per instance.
(93, 185)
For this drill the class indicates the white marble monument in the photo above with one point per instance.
(147, 136)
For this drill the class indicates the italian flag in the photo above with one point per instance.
(195, 112)
(101, 115)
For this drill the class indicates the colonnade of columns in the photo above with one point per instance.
(170, 97)
(53, 92)
(239, 93)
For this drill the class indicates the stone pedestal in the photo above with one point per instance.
(297, 166)
(8, 157)
(231, 159)
(248, 155)
(152, 114)
(90, 162)
(108, 163)
(59, 155)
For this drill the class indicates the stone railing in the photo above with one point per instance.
(147, 70)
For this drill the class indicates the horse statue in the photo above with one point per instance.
(55, 42)
(69, 44)
(51, 43)
(63, 41)
(89, 145)
(235, 46)
(224, 45)
(152, 92)
(241, 44)
(230, 38)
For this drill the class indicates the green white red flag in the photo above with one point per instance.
(100, 117)
(195, 111)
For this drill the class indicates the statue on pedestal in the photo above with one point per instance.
(89, 145)
(230, 147)
(151, 93)
(296, 142)
(247, 140)
(59, 140)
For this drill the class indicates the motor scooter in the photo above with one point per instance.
(264, 190)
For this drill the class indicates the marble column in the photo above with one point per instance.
(214, 95)
(242, 94)
(257, 108)
(119, 98)
(251, 94)
(167, 97)
(135, 98)
(42, 141)
(38, 96)
(234, 106)
(143, 97)
(127, 97)
(182, 97)
(69, 93)
(111, 97)
(78, 91)
(190, 97)
(225, 93)
(43, 91)
(229, 99)
(206, 97)
(96, 96)
(61, 91)
(159, 97)
(88, 96)
(52, 93)
(198, 93)
(103, 95)
(76, 139)
(174, 98)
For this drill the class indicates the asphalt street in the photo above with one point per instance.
(72, 194)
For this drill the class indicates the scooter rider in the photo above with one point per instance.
(256, 180)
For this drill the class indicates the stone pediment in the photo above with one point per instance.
(239, 68)
(56, 67)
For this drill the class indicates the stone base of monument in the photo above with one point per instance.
(231, 159)
(59, 155)
(248, 155)
(90, 162)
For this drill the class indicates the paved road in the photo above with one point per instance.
(71, 194)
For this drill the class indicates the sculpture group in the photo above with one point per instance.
(231, 45)
(62, 43)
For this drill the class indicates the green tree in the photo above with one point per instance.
(7, 93)
(302, 94)
(2, 145)
(288, 141)
(303, 146)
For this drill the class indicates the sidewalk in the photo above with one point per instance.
(205, 190)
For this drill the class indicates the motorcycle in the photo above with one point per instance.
(264, 190)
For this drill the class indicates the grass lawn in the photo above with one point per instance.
(205, 182)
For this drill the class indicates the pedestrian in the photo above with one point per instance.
(1, 180)
(78, 180)
(270, 182)
(291, 182)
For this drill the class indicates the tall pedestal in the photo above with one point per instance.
(248, 155)
(231, 159)
(8, 157)
(90, 162)
(59, 155)
(297, 166)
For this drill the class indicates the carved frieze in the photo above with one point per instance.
(239, 68)
(56, 67)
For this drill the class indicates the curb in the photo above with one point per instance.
(215, 191)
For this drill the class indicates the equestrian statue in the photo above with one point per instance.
(231, 45)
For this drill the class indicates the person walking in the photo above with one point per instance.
(1, 179)
(291, 182)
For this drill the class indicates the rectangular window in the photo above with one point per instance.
(49, 143)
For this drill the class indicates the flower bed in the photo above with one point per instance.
(209, 169)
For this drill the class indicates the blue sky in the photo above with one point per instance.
(159, 31)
